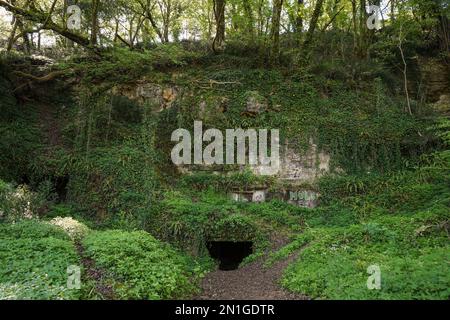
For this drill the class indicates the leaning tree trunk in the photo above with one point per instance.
(275, 31)
(12, 36)
(313, 24)
(444, 33)
(219, 15)
(249, 17)
(48, 24)
(299, 18)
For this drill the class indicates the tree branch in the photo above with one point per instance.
(47, 23)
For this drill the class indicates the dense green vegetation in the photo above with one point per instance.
(402, 228)
(141, 267)
(34, 257)
(86, 177)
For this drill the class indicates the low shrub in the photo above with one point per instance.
(74, 229)
(34, 258)
(140, 266)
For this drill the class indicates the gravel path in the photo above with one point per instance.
(251, 282)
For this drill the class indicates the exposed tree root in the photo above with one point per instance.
(49, 77)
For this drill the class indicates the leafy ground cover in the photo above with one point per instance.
(34, 257)
(408, 241)
(141, 267)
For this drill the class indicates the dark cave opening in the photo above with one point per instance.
(229, 254)
(24, 179)
(60, 187)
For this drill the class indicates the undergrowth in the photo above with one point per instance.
(34, 258)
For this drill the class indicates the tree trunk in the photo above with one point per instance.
(39, 41)
(392, 10)
(219, 14)
(249, 17)
(24, 34)
(444, 33)
(94, 22)
(299, 18)
(355, 27)
(363, 31)
(335, 13)
(313, 23)
(42, 18)
(12, 36)
(275, 31)
(260, 18)
(166, 19)
(155, 27)
(404, 71)
(116, 30)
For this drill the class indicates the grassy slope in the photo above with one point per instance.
(141, 267)
(34, 258)
(401, 226)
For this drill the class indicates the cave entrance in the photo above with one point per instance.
(229, 254)
(60, 186)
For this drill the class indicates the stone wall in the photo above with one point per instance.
(303, 167)
(158, 97)
(296, 167)
(299, 197)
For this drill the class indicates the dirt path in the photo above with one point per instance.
(102, 288)
(251, 282)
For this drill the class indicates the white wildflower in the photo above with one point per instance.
(76, 230)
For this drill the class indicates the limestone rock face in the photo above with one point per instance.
(300, 166)
(158, 97)
(256, 103)
(443, 105)
(435, 77)
(304, 166)
(150, 93)
(169, 96)
(212, 109)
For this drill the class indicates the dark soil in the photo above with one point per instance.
(102, 288)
